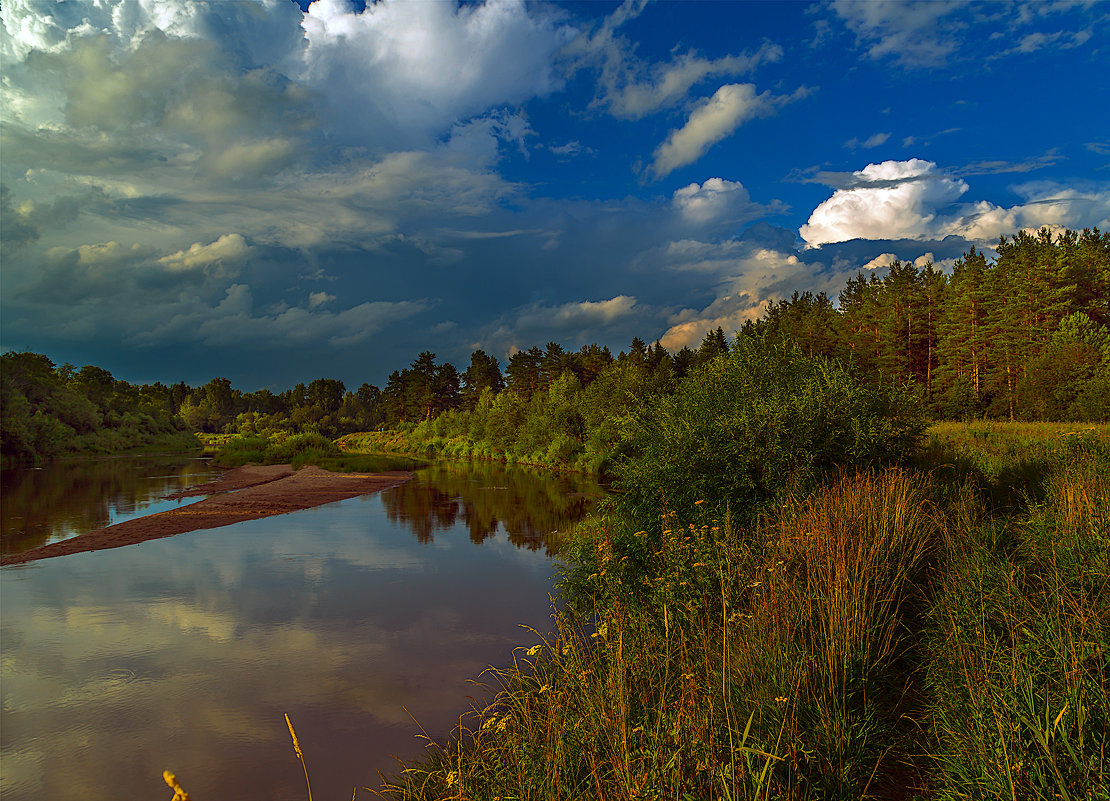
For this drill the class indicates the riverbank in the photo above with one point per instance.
(936, 630)
(245, 493)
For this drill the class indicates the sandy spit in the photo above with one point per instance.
(245, 493)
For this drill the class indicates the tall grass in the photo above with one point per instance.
(1020, 656)
(719, 663)
(893, 634)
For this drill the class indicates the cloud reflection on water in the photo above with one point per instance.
(184, 653)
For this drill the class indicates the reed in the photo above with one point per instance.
(300, 754)
(179, 793)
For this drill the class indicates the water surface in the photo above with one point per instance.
(354, 618)
(46, 504)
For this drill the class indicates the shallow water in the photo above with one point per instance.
(55, 502)
(354, 618)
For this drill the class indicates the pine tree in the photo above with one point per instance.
(484, 373)
(960, 341)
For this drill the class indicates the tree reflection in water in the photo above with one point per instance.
(73, 496)
(529, 505)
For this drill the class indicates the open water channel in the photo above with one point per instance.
(365, 620)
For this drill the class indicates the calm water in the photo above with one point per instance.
(185, 653)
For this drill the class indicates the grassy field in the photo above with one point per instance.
(938, 630)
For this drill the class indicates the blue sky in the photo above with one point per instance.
(255, 190)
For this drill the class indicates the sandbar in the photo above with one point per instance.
(245, 493)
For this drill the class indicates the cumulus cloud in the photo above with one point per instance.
(729, 312)
(263, 30)
(385, 66)
(880, 262)
(1045, 204)
(914, 200)
(891, 200)
(711, 121)
(719, 200)
(226, 253)
(762, 266)
(746, 273)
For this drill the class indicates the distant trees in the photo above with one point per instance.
(1025, 336)
(48, 411)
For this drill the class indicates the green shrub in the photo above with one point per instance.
(756, 422)
(298, 444)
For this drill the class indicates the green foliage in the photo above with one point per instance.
(46, 412)
(298, 450)
(755, 423)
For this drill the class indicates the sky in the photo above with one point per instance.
(273, 191)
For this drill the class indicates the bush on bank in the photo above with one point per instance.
(757, 422)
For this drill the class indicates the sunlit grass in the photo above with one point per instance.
(894, 634)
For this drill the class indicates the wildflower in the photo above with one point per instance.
(503, 723)
(535, 649)
(452, 779)
(781, 699)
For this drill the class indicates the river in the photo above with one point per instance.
(368, 621)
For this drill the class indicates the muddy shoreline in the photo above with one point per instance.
(245, 493)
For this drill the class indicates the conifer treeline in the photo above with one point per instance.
(1022, 337)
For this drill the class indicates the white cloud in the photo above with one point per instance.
(761, 267)
(892, 200)
(1045, 204)
(671, 83)
(230, 250)
(106, 254)
(882, 261)
(914, 34)
(580, 315)
(717, 200)
(481, 136)
(385, 67)
(729, 312)
(316, 299)
(710, 122)
(937, 33)
(913, 200)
